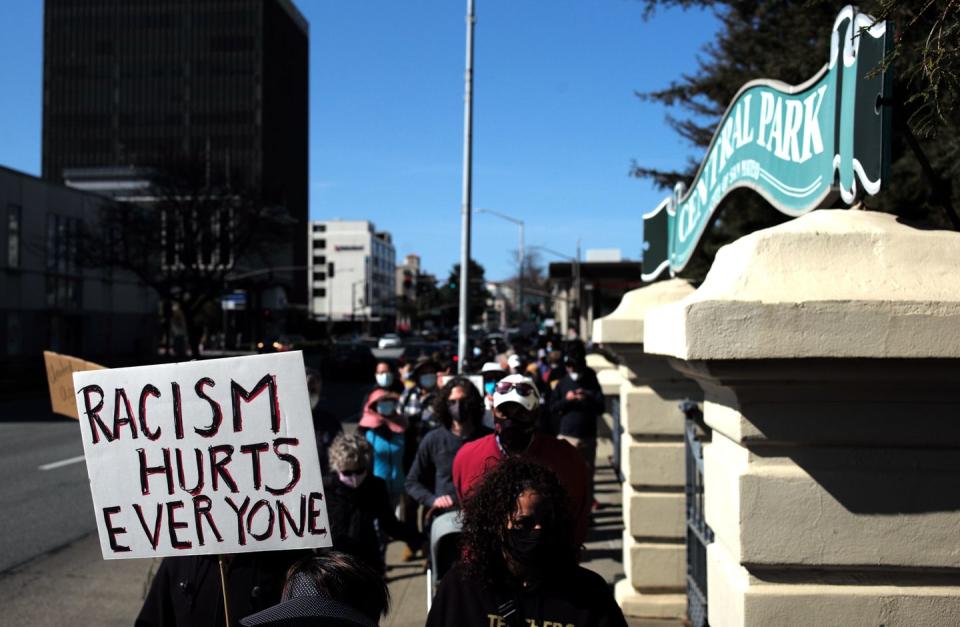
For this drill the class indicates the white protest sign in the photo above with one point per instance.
(202, 457)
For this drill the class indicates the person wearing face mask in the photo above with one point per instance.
(459, 409)
(326, 426)
(576, 405)
(516, 403)
(491, 373)
(383, 426)
(518, 563)
(357, 503)
(385, 379)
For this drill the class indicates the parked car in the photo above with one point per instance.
(390, 340)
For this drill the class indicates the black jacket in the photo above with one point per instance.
(575, 597)
(355, 514)
(326, 427)
(186, 590)
(431, 474)
(577, 418)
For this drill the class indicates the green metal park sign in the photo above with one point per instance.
(798, 146)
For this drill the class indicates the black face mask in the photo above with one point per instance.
(515, 435)
(530, 548)
(458, 410)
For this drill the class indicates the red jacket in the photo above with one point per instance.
(475, 458)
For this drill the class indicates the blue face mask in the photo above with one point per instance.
(428, 380)
(489, 387)
(386, 408)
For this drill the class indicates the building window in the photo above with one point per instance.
(319, 292)
(321, 243)
(319, 276)
(320, 260)
(13, 236)
(319, 228)
(330, 269)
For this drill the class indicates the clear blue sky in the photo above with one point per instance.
(556, 122)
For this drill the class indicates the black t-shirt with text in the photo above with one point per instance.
(578, 598)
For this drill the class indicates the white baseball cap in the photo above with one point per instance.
(530, 400)
(513, 361)
(491, 366)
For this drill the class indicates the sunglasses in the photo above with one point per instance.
(353, 472)
(523, 389)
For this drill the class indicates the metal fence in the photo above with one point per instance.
(699, 534)
(612, 403)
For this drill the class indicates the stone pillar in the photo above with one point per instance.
(828, 349)
(652, 459)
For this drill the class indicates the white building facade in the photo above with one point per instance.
(351, 272)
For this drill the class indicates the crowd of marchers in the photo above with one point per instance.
(503, 454)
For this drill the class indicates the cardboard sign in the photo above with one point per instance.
(60, 369)
(202, 457)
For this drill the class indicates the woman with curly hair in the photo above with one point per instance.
(518, 566)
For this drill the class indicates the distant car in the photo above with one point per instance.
(390, 340)
(281, 344)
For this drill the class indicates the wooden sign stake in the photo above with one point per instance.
(223, 585)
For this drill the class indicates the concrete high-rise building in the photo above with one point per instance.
(352, 273)
(219, 84)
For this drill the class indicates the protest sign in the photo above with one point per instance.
(202, 457)
(60, 369)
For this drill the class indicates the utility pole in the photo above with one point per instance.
(467, 194)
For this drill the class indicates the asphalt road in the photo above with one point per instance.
(44, 508)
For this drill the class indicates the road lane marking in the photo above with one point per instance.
(62, 462)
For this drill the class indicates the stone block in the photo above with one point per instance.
(644, 412)
(666, 606)
(610, 381)
(654, 514)
(739, 599)
(656, 464)
(851, 508)
(655, 565)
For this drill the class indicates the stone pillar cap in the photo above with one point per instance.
(598, 362)
(624, 325)
(830, 284)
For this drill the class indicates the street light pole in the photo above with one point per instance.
(522, 255)
(467, 193)
(575, 262)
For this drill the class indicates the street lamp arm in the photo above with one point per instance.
(500, 215)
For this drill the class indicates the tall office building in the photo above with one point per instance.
(220, 84)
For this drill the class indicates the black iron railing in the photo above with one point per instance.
(699, 534)
(613, 408)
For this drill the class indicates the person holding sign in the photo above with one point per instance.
(357, 503)
(187, 591)
(211, 464)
